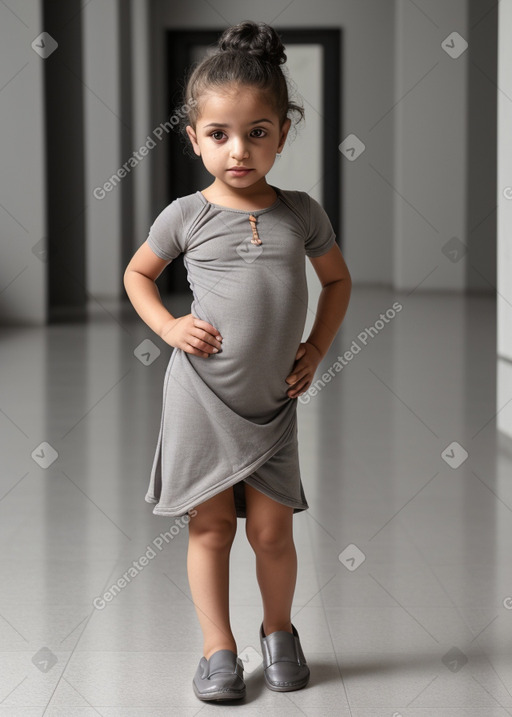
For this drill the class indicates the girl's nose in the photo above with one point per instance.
(239, 150)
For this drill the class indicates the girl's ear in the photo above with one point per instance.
(193, 139)
(284, 133)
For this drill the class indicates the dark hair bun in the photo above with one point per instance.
(253, 38)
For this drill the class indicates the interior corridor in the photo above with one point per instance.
(404, 593)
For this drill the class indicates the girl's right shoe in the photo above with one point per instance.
(220, 677)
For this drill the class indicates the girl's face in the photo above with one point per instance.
(238, 128)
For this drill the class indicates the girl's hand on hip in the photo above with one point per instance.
(307, 359)
(192, 335)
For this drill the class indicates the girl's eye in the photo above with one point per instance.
(218, 135)
(262, 132)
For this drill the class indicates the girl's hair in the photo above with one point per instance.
(248, 54)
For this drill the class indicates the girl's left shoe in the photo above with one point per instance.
(284, 664)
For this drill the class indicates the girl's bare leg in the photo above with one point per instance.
(211, 534)
(269, 527)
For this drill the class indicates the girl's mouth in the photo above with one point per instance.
(239, 172)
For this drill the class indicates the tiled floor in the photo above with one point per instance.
(421, 627)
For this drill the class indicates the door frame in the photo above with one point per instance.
(180, 175)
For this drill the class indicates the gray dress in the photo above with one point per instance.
(226, 420)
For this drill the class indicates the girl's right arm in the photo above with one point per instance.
(188, 333)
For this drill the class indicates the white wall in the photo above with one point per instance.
(430, 145)
(22, 167)
(504, 200)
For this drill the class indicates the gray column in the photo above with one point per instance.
(103, 128)
(22, 169)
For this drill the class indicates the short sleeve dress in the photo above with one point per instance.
(226, 420)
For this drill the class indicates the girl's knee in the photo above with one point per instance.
(265, 538)
(214, 534)
(214, 523)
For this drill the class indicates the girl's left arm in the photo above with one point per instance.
(336, 283)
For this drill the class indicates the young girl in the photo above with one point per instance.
(227, 445)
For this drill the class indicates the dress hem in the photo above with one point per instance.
(169, 513)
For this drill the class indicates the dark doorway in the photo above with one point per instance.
(65, 204)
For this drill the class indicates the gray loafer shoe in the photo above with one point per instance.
(220, 677)
(284, 664)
